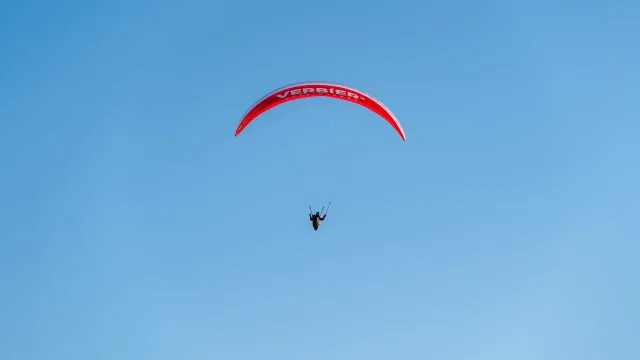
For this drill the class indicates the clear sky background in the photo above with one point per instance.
(134, 225)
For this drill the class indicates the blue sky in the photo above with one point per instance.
(134, 225)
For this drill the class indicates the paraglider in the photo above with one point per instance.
(313, 89)
(315, 220)
(317, 217)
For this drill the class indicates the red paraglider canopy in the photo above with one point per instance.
(311, 89)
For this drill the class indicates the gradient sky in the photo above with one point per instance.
(134, 225)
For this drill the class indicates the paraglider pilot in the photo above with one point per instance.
(315, 219)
